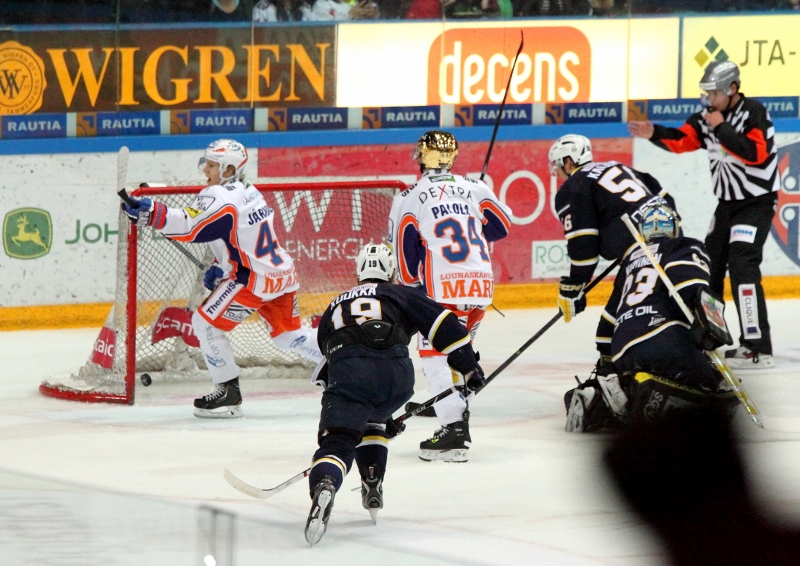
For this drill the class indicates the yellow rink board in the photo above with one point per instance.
(510, 296)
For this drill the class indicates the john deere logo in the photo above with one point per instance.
(711, 50)
(22, 80)
(27, 233)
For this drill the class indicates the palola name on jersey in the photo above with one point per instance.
(449, 208)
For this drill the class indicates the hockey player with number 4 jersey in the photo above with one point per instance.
(440, 230)
(255, 274)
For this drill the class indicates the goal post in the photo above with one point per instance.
(159, 283)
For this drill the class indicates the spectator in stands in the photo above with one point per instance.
(231, 10)
(283, 11)
(554, 7)
(327, 10)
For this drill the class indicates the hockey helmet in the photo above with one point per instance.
(436, 150)
(226, 152)
(375, 261)
(659, 221)
(574, 146)
(720, 75)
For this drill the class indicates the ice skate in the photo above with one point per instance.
(225, 402)
(429, 412)
(317, 522)
(745, 358)
(372, 495)
(450, 443)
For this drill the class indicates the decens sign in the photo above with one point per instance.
(473, 64)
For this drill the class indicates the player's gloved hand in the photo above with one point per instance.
(571, 298)
(605, 366)
(393, 429)
(212, 277)
(463, 360)
(475, 379)
(141, 213)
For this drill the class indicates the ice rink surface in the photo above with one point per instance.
(144, 485)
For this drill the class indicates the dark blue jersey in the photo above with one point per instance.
(589, 205)
(408, 307)
(640, 306)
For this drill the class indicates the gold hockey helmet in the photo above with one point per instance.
(436, 150)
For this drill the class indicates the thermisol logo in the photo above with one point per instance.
(786, 224)
(27, 233)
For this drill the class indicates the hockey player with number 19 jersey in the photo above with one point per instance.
(440, 230)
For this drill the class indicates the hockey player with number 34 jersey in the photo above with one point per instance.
(255, 274)
(440, 230)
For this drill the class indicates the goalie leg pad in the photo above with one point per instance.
(652, 397)
(588, 410)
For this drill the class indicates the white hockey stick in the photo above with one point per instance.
(723, 368)
(260, 493)
(122, 168)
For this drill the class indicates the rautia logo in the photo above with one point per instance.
(786, 224)
(471, 66)
(172, 322)
(27, 233)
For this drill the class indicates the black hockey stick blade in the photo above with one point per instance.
(502, 106)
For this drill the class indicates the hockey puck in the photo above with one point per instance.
(146, 379)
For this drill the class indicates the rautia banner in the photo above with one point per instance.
(148, 69)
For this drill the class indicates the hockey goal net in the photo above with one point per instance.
(159, 283)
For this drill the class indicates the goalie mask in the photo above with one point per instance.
(436, 150)
(375, 261)
(226, 153)
(576, 147)
(659, 221)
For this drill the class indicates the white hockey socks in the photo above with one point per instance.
(217, 350)
(440, 377)
(302, 342)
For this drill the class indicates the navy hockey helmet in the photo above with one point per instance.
(375, 261)
(576, 147)
(659, 221)
(720, 75)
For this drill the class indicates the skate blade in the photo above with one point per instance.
(459, 455)
(316, 527)
(374, 514)
(231, 412)
(748, 364)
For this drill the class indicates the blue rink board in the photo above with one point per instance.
(326, 138)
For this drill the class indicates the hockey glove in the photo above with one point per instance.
(475, 379)
(571, 298)
(605, 366)
(213, 276)
(393, 429)
(142, 213)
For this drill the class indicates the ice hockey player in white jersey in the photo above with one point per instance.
(254, 273)
(440, 230)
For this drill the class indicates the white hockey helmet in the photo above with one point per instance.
(436, 150)
(375, 261)
(720, 75)
(226, 152)
(576, 147)
(659, 221)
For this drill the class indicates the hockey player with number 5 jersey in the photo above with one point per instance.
(255, 274)
(440, 230)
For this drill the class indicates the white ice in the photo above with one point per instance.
(143, 484)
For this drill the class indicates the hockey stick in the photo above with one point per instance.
(265, 493)
(502, 106)
(123, 194)
(723, 368)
